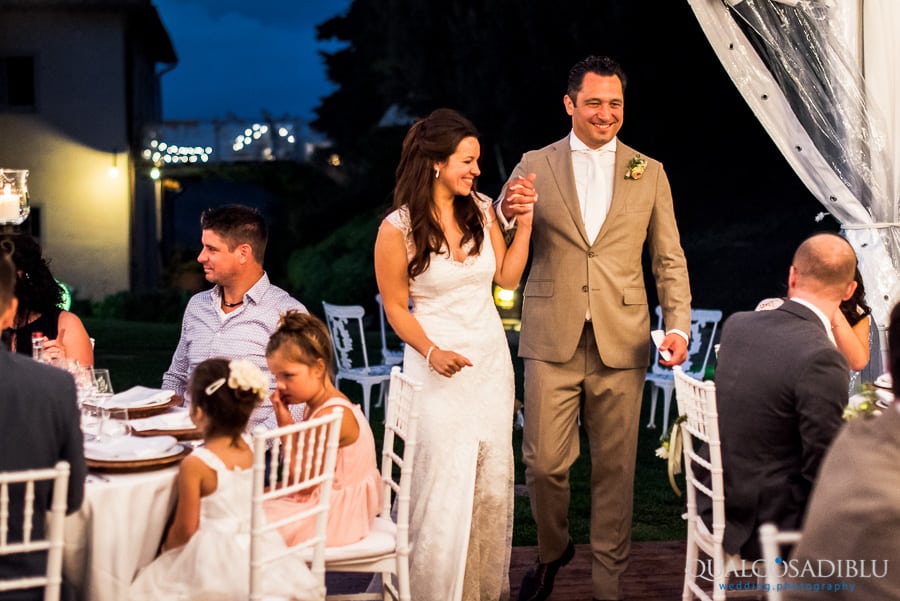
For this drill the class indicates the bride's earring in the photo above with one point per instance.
(437, 172)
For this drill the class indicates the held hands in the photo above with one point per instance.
(446, 363)
(519, 198)
(675, 344)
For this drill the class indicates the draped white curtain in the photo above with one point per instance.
(822, 78)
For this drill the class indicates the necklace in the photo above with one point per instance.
(226, 303)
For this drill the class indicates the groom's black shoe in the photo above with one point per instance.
(538, 581)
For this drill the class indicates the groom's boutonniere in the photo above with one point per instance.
(636, 167)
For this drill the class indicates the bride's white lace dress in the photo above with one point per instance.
(462, 491)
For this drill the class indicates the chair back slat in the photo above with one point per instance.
(704, 476)
(704, 327)
(311, 468)
(351, 355)
(396, 466)
(770, 541)
(385, 550)
(345, 325)
(31, 540)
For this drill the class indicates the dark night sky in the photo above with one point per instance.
(243, 56)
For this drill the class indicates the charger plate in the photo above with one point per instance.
(180, 434)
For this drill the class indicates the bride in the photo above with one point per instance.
(442, 247)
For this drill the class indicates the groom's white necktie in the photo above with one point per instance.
(594, 187)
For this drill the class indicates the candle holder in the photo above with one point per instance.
(14, 208)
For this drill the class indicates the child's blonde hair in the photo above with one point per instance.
(304, 338)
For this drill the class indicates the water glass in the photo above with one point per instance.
(100, 403)
(114, 423)
(90, 422)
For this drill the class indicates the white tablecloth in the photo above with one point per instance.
(117, 531)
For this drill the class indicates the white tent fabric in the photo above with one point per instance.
(822, 78)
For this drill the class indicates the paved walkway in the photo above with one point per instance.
(655, 573)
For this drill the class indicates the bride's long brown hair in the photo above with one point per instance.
(432, 140)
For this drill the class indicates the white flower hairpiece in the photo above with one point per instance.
(246, 376)
(242, 375)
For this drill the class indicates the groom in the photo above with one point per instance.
(586, 322)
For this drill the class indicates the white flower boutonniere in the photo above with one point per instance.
(636, 167)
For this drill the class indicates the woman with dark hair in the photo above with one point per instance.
(850, 324)
(442, 247)
(40, 299)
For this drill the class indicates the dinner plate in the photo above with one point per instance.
(178, 452)
(129, 448)
(884, 381)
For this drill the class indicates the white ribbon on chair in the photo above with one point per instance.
(676, 442)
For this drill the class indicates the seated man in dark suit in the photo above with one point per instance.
(854, 513)
(40, 425)
(781, 388)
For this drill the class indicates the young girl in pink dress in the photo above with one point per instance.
(299, 355)
(206, 554)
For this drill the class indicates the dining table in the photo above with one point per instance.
(117, 531)
(129, 497)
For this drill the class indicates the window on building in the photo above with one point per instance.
(17, 82)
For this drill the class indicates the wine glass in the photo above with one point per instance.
(84, 388)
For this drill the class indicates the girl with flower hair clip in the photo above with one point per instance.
(207, 548)
(299, 355)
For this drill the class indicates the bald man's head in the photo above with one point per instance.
(824, 264)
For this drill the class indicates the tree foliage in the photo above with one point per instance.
(501, 63)
(504, 65)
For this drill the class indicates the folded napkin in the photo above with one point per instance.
(140, 396)
(130, 447)
(176, 418)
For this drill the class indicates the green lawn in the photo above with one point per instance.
(134, 352)
(138, 353)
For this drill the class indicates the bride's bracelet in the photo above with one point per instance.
(431, 349)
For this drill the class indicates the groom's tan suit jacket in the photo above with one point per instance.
(570, 273)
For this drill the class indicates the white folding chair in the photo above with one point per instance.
(388, 355)
(27, 541)
(350, 352)
(316, 444)
(385, 550)
(704, 324)
(697, 401)
(770, 540)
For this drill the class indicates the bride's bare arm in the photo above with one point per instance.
(393, 284)
(511, 261)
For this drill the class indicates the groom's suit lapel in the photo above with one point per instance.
(560, 162)
(621, 188)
